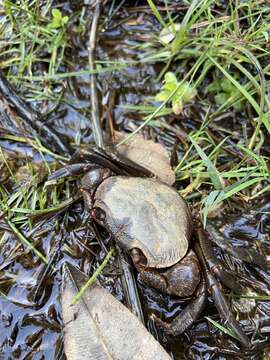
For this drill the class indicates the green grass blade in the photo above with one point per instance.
(215, 175)
(222, 328)
(23, 239)
(93, 278)
(237, 187)
(240, 87)
(156, 13)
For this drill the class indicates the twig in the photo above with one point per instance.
(96, 126)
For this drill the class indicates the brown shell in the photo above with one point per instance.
(146, 214)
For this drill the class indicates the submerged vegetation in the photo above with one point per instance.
(192, 74)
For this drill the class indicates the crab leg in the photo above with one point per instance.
(84, 160)
(187, 317)
(224, 309)
(214, 265)
(110, 159)
(70, 170)
(248, 255)
(220, 301)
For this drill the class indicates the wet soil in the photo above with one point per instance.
(30, 312)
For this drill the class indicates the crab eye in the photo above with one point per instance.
(137, 257)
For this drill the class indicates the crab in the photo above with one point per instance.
(153, 223)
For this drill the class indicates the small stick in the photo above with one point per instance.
(96, 126)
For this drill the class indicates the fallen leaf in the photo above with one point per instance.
(153, 156)
(98, 326)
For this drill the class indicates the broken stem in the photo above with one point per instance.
(96, 126)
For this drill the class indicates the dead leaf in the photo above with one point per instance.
(153, 156)
(98, 326)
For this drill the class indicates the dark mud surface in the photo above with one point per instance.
(30, 312)
(31, 325)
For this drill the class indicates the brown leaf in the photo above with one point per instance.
(151, 155)
(98, 326)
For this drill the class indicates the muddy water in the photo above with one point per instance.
(30, 322)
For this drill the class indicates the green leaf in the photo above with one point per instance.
(156, 13)
(239, 86)
(210, 203)
(188, 92)
(56, 13)
(214, 87)
(180, 38)
(237, 187)
(25, 241)
(58, 20)
(221, 98)
(266, 35)
(227, 86)
(182, 92)
(170, 78)
(162, 96)
(238, 105)
(169, 86)
(94, 277)
(214, 198)
(64, 20)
